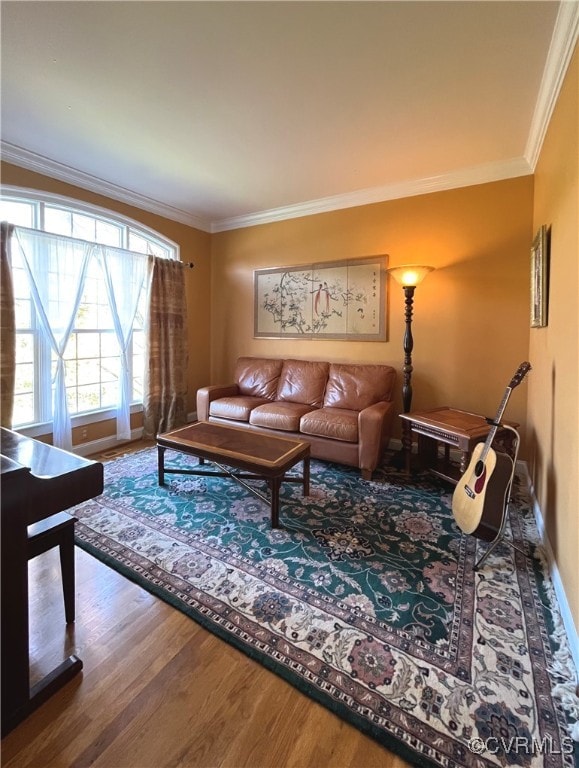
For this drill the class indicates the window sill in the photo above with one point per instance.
(82, 420)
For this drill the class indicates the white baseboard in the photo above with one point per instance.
(566, 615)
(105, 443)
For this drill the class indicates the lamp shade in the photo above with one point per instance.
(409, 274)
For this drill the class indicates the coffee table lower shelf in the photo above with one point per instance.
(253, 456)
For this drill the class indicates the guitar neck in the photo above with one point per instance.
(499, 415)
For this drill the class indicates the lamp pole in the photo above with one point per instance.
(408, 277)
(408, 347)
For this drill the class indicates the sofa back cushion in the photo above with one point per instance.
(258, 376)
(303, 381)
(358, 386)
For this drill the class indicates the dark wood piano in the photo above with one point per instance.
(38, 480)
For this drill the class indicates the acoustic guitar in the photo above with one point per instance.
(480, 497)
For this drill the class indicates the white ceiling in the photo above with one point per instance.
(222, 114)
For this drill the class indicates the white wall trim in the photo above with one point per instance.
(464, 177)
(105, 443)
(563, 603)
(110, 442)
(31, 161)
(564, 607)
(563, 41)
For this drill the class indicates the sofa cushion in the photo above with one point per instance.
(238, 407)
(258, 376)
(356, 387)
(279, 415)
(335, 423)
(303, 381)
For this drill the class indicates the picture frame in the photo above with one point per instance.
(539, 279)
(343, 299)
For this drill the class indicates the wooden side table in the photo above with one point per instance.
(453, 428)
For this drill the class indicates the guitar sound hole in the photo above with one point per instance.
(479, 468)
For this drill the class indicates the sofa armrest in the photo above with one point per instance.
(374, 428)
(206, 395)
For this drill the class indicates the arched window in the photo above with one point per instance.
(92, 357)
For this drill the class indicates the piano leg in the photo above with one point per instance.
(19, 699)
(14, 614)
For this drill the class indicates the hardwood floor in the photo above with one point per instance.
(159, 691)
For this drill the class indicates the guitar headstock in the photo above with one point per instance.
(520, 374)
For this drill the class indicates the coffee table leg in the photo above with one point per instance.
(274, 485)
(161, 464)
(306, 472)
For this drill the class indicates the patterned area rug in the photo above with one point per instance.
(365, 599)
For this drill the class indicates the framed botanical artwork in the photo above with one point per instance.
(328, 300)
(539, 279)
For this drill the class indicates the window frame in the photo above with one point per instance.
(39, 199)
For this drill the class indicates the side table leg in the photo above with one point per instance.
(161, 464)
(407, 446)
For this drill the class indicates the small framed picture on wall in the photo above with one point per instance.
(539, 279)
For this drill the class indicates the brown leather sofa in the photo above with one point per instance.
(345, 411)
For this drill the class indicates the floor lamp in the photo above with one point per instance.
(408, 276)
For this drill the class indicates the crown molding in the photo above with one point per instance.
(465, 177)
(31, 161)
(563, 42)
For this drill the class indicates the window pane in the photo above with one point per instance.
(72, 400)
(138, 342)
(89, 345)
(23, 411)
(57, 221)
(109, 234)
(24, 378)
(83, 227)
(20, 214)
(70, 350)
(89, 397)
(137, 243)
(109, 345)
(22, 310)
(110, 369)
(70, 368)
(88, 371)
(109, 395)
(24, 348)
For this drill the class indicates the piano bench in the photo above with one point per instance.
(57, 531)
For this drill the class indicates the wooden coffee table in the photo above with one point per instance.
(258, 456)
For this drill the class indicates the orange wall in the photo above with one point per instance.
(471, 316)
(194, 246)
(553, 398)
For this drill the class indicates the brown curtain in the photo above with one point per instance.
(7, 329)
(165, 396)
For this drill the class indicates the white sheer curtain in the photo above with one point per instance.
(56, 268)
(124, 275)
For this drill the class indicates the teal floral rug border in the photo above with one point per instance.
(365, 599)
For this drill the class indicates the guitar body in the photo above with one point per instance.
(479, 499)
